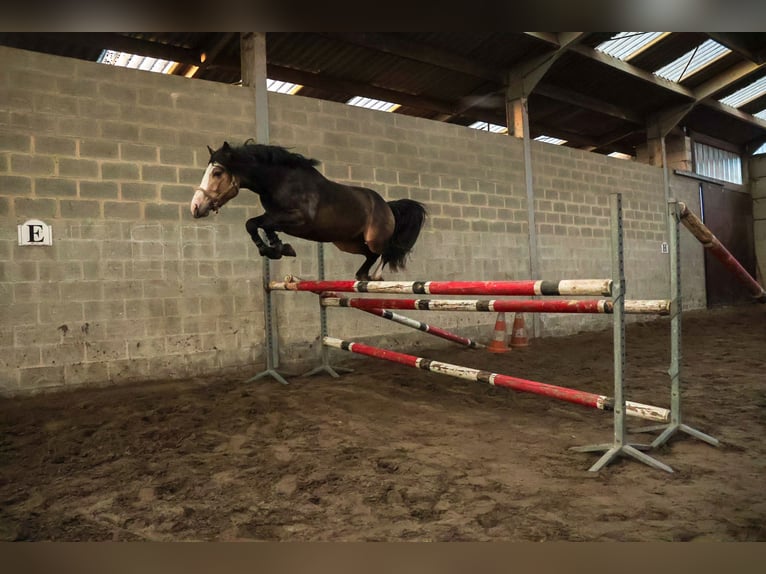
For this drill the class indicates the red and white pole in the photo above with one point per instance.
(564, 287)
(602, 402)
(646, 307)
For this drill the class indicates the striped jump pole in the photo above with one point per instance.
(717, 249)
(565, 287)
(425, 327)
(643, 307)
(601, 402)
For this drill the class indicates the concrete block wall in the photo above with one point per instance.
(134, 289)
(757, 171)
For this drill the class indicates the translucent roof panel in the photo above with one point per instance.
(760, 150)
(371, 104)
(693, 61)
(126, 60)
(550, 140)
(625, 45)
(746, 94)
(494, 128)
(761, 115)
(282, 87)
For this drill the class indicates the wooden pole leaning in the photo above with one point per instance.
(618, 446)
(710, 242)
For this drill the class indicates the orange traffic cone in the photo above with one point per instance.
(499, 336)
(519, 332)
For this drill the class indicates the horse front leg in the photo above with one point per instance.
(272, 251)
(285, 249)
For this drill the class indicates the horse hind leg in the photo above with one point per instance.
(363, 273)
(377, 272)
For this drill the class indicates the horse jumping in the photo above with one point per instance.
(299, 201)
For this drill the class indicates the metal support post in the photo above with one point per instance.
(618, 446)
(325, 367)
(272, 350)
(674, 371)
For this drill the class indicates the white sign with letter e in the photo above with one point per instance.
(35, 232)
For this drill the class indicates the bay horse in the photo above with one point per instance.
(299, 201)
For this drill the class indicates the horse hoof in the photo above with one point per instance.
(271, 252)
(288, 251)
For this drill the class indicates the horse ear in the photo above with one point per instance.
(210, 150)
(226, 146)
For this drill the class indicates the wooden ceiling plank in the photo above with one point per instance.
(587, 102)
(549, 37)
(339, 85)
(419, 52)
(122, 43)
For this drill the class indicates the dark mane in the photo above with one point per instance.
(251, 152)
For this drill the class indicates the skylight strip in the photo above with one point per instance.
(282, 87)
(761, 115)
(550, 140)
(134, 61)
(372, 104)
(626, 45)
(494, 128)
(746, 94)
(693, 61)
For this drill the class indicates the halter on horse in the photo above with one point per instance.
(299, 201)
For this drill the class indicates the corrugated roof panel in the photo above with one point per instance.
(133, 61)
(372, 104)
(550, 140)
(693, 61)
(749, 92)
(625, 45)
(494, 128)
(282, 87)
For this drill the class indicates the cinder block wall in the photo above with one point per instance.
(134, 289)
(757, 171)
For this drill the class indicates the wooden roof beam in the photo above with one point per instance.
(523, 78)
(721, 82)
(731, 41)
(632, 70)
(745, 117)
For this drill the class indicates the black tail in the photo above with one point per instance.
(410, 216)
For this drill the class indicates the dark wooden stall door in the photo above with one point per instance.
(729, 215)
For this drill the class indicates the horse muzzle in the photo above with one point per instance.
(201, 204)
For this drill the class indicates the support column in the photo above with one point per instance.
(618, 446)
(253, 65)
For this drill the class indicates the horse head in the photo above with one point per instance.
(218, 184)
